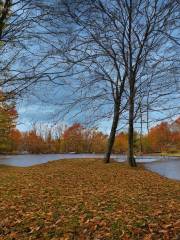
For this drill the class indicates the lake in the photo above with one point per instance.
(166, 166)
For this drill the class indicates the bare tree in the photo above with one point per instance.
(20, 65)
(90, 58)
(150, 28)
(107, 52)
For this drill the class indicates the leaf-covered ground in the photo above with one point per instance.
(87, 199)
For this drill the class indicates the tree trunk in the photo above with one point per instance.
(112, 133)
(4, 15)
(131, 159)
(141, 134)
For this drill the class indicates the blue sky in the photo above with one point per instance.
(31, 110)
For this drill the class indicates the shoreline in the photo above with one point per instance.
(145, 155)
(143, 165)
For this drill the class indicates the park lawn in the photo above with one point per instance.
(87, 199)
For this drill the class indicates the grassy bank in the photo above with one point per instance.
(170, 154)
(87, 199)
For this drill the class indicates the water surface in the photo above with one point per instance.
(27, 160)
(168, 168)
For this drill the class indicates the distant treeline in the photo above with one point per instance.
(164, 137)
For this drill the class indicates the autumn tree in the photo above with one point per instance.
(164, 137)
(160, 137)
(80, 139)
(33, 142)
(121, 143)
(15, 138)
(72, 139)
(175, 135)
(8, 117)
(98, 141)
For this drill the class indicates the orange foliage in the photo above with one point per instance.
(8, 116)
(121, 143)
(164, 137)
(98, 142)
(16, 139)
(78, 139)
(160, 137)
(33, 143)
(72, 139)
